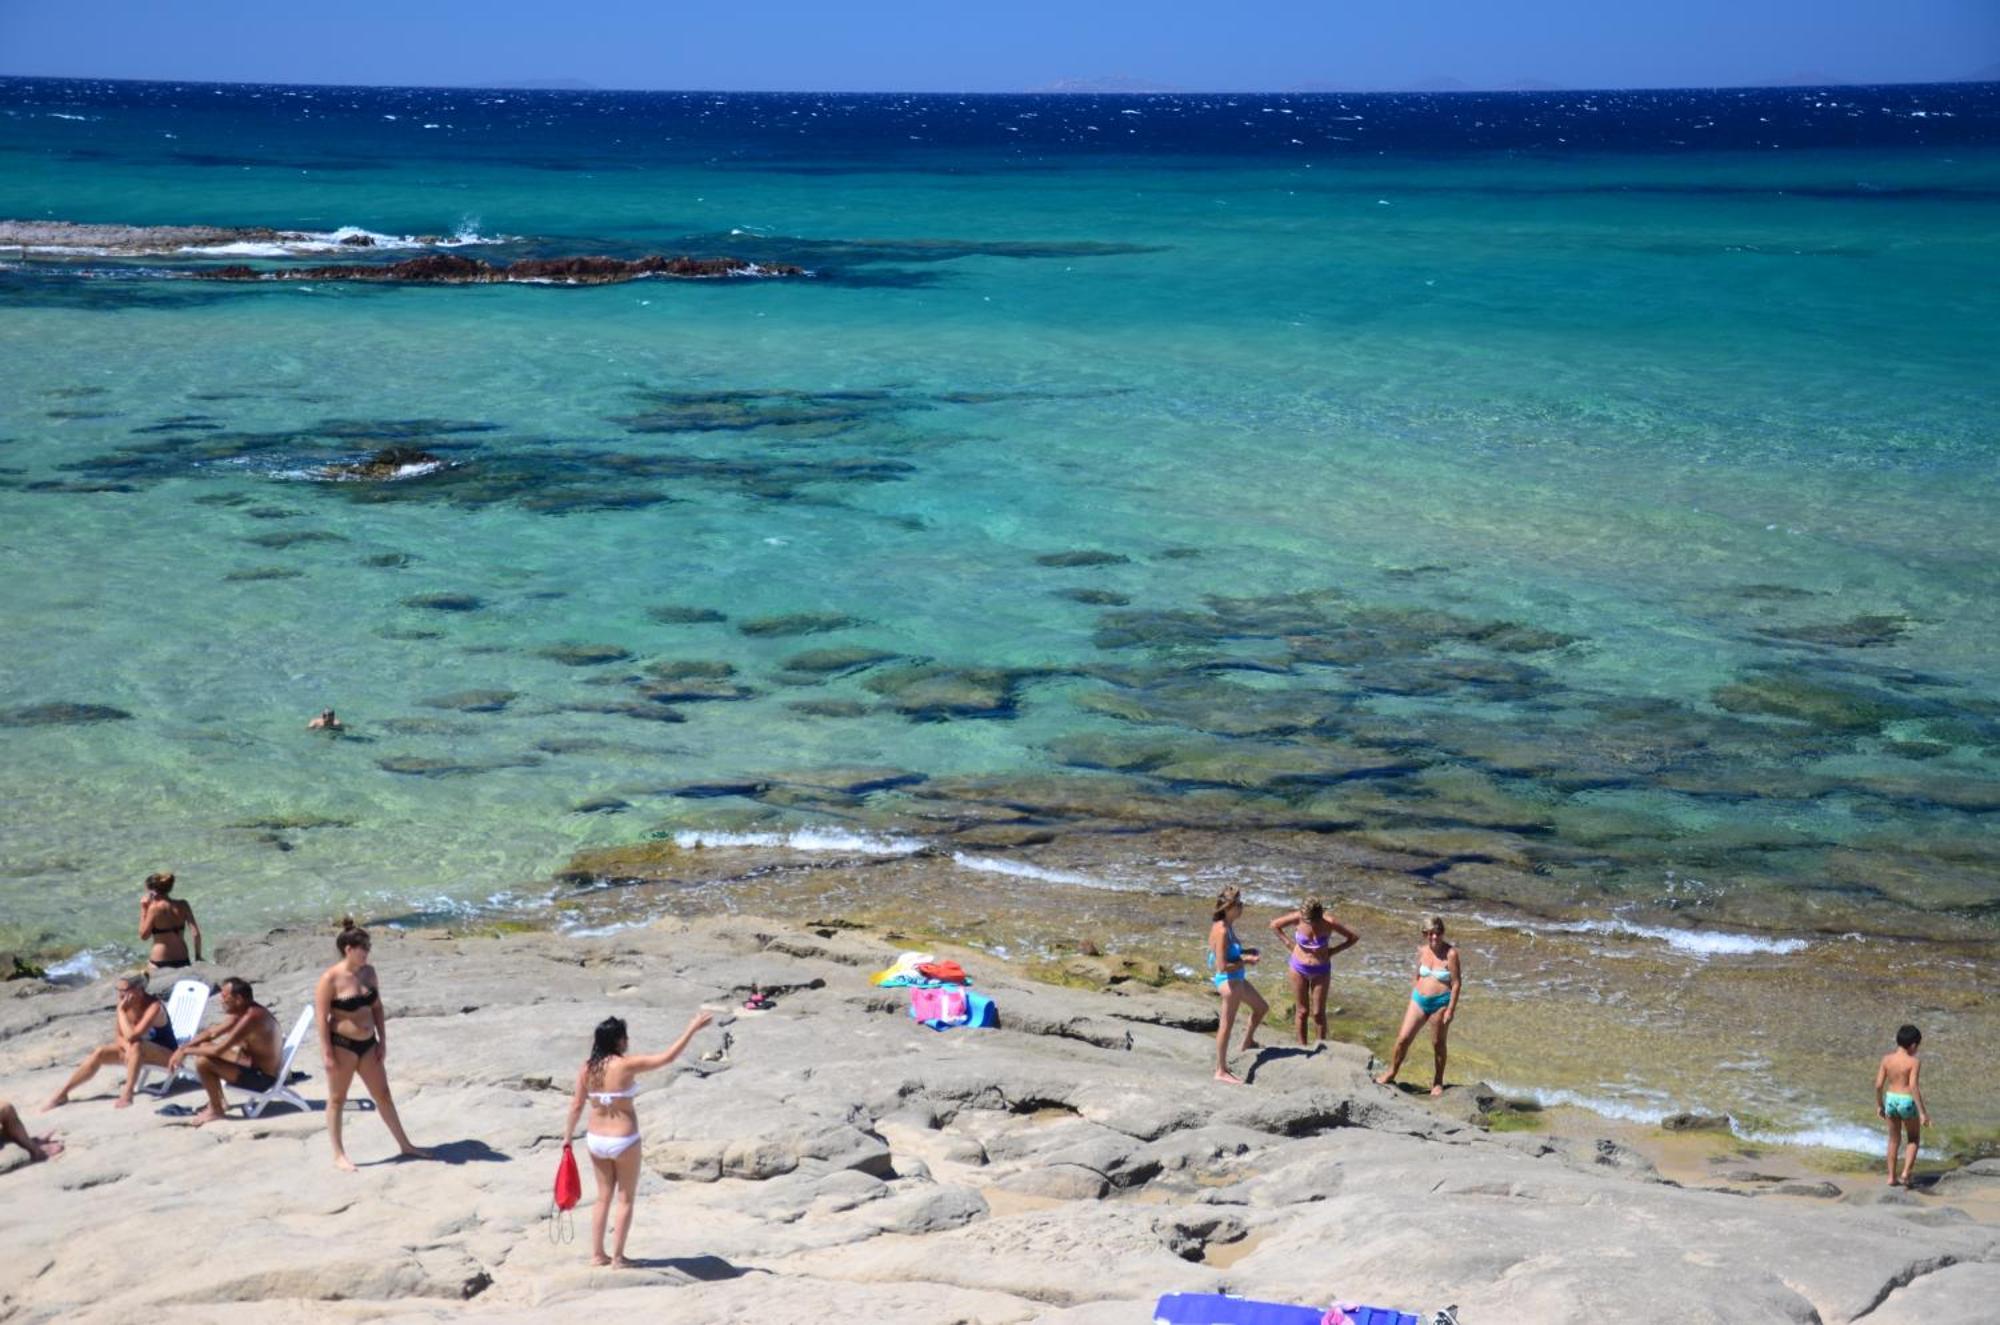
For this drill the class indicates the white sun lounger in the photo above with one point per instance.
(280, 1093)
(185, 1005)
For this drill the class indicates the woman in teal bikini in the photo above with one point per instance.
(1438, 986)
(1229, 960)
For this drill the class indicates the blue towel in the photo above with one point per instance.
(1216, 1309)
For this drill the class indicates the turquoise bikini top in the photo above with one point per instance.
(1441, 974)
(1232, 948)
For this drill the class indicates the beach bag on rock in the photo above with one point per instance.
(939, 1008)
(569, 1190)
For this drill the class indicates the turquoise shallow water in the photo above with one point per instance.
(1711, 429)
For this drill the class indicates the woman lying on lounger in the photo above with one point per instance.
(143, 1037)
(608, 1080)
(354, 1038)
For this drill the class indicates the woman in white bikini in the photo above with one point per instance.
(608, 1081)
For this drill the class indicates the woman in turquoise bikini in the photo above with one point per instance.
(1438, 986)
(1229, 960)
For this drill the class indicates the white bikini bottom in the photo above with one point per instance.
(609, 1147)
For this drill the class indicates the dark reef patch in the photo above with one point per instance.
(61, 713)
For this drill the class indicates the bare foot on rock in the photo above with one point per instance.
(1436, 1091)
(205, 1117)
(417, 1152)
(600, 1259)
(1227, 1077)
(55, 1102)
(344, 1164)
(124, 1102)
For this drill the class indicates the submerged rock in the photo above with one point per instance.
(253, 574)
(473, 701)
(1094, 597)
(673, 614)
(1082, 557)
(797, 623)
(932, 692)
(1834, 706)
(454, 269)
(62, 713)
(584, 655)
(1863, 632)
(820, 663)
(446, 602)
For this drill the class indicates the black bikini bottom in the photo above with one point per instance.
(359, 1048)
(170, 966)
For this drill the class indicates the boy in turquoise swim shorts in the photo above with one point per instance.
(1900, 1101)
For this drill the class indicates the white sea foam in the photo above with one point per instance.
(79, 968)
(293, 242)
(1700, 943)
(1817, 1128)
(805, 839)
(1021, 869)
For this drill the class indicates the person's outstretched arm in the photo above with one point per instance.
(653, 1062)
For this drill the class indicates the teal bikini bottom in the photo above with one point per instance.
(1432, 1003)
(1225, 977)
(1898, 1105)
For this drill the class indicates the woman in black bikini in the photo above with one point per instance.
(167, 923)
(143, 1037)
(354, 1037)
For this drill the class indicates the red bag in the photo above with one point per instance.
(950, 972)
(569, 1183)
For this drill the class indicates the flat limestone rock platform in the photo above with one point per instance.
(844, 1163)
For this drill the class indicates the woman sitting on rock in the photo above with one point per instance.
(608, 1080)
(354, 1037)
(1439, 983)
(12, 1129)
(1230, 961)
(1312, 945)
(167, 923)
(143, 1037)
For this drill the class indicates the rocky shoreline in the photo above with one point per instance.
(1069, 1167)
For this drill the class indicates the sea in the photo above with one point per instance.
(1572, 513)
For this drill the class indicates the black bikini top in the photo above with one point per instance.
(356, 1002)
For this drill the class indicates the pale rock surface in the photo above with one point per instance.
(845, 1163)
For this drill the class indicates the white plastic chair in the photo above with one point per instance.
(185, 1005)
(280, 1093)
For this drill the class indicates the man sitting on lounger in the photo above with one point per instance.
(242, 1050)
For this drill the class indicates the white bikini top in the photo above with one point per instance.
(609, 1096)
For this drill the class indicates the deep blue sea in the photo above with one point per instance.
(1571, 511)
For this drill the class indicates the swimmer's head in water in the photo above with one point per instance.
(1313, 910)
(161, 883)
(1908, 1036)
(351, 936)
(1229, 899)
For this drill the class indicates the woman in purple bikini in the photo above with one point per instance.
(1311, 940)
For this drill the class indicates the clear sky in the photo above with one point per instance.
(1007, 45)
